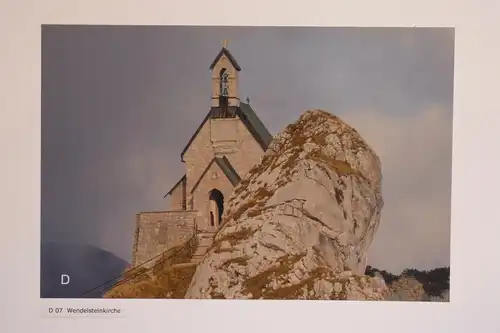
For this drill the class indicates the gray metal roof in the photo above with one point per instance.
(228, 170)
(182, 180)
(255, 126)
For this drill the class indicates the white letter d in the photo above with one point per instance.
(64, 279)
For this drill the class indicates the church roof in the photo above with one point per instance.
(226, 168)
(183, 178)
(249, 118)
(255, 125)
(228, 54)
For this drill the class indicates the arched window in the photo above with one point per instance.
(224, 83)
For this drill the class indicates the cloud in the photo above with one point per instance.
(415, 152)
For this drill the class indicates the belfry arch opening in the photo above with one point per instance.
(224, 91)
(216, 207)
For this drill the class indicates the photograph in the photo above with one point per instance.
(246, 162)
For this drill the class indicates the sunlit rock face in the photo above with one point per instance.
(299, 225)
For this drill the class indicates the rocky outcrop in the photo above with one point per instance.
(406, 288)
(415, 285)
(299, 225)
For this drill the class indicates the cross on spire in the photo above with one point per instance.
(224, 43)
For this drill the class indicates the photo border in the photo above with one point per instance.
(475, 179)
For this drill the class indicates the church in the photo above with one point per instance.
(230, 140)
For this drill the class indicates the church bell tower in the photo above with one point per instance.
(225, 70)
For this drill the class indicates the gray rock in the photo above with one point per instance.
(305, 214)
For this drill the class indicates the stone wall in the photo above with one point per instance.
(225, 131)
(248, 154)
(243, 153)
(213, 179)
(177, 197)
(198, 155)
(157, 232)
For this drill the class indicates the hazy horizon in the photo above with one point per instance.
(120, 103)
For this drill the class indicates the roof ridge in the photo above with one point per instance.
(226, 167)
(175, 185)
(232, 60)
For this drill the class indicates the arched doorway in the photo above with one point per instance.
(216, 207)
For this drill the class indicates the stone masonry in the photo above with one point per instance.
(230, 140)
(158, 231)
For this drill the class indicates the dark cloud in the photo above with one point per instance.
(119, 103)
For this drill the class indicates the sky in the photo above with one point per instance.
(119, 103)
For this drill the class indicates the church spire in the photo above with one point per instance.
(224, 52)
(225, 79)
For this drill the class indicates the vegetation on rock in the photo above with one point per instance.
(169, 276)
